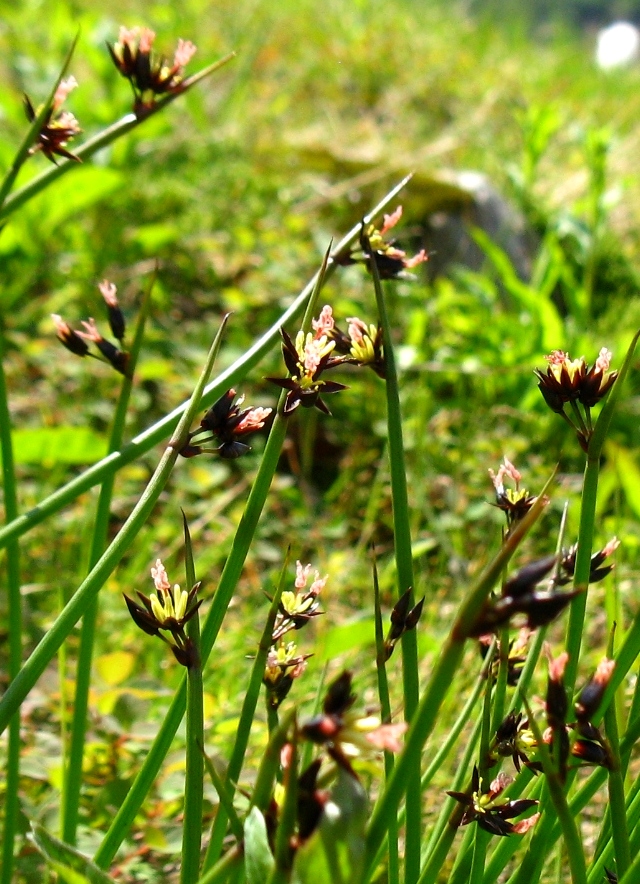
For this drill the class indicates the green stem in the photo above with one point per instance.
(194, 773)
(450, 817)
(578, 607)
(244, 724)
(587, 521)
(222, 870)
(441, 680)
(450, 741)
(228, 581)
(633, 872)
(404, 565)
(32, 133)
(481, 839)
(77, 605)
(160, 430)
(572, 839)
(393, 862)
(14, 613)
(616, 795)
(73, 776)
(547, 830)
(283, 854)
(98, 142)
(224, 593)
(606, 853)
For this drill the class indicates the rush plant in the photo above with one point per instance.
(355, 785)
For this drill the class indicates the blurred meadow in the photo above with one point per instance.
(234, 193)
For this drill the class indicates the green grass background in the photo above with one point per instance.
(235, 191)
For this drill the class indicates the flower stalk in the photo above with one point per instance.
(159, 431)
(193, 789)
(14, 612)
(404, 563)
(73, 773)
(77, 605)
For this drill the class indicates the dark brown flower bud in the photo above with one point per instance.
(68, 337)
(311, 801)
(590, 696)
(339, 696)
(115, 314)
(528, 577)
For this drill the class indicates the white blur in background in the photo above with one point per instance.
(618, 45)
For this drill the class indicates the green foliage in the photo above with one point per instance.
(230, 196)
(70, 865)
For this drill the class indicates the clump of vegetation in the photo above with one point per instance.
(373, 714)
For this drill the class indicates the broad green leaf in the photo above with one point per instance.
(259, 860)
(72, 866)
(49, 446)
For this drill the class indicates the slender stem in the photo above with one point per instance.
(587, 520)
(572, 839)
(578, 607)
(222, 870)
(224, 593)
(442, 678)
(73, 774)
(605, 854)
(77, 605)
(14, 612)
(481, 839)
(393, 862)
(616, 795)
(283, 854)
(98, 142)
(633, 872)
(450, 817)
(244, 724)
(404, 565)
(450, 741)
(194, 774)
(228, 582)
(159, 431)
(32, 133)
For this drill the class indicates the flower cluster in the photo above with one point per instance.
(526, 595)
(166, 613)
(514, 502)
(296, 609)
(513, 739)
(491, 814)
(589, 746)
(391, 262)
(76, 341)
(149, 74)
(516, 654)
(361, 344)
(597, 569)
(570, 382)
(306, 360)
(404, 617)
(345, 734)
(58, 127)
(225, 424)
